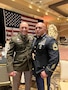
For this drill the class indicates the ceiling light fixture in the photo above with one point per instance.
(67, 19)
(31, 2)
(58, 18)
(39, 6)
(46, 13)
(40, 1)
(38, 10)
(13, 0)
(30, 6)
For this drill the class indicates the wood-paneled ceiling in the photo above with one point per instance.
(53, 11)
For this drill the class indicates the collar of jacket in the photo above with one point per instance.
(23, 37)
(40, 37)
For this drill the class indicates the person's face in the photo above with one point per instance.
(24, 28)
(40, 29)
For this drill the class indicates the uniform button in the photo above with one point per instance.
(34, 46)
(34, 50)
(43, 66)
(32, 68)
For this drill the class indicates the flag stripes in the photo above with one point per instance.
(13, 20)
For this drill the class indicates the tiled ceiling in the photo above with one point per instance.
(44, 4)
(48, 9)
(58, 8)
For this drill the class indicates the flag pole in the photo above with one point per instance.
(45, 84)
(4, 23)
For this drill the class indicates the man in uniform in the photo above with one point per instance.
(19, 57)
(45, 56)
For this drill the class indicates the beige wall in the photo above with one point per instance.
(63, 30)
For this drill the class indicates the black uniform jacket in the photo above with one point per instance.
(46, 54)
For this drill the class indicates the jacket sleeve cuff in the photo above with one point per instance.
(39, 71)
(48, 71)
(10, 69)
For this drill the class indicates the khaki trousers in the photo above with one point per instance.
(17, 79)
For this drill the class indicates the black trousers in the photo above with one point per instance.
(40, 82)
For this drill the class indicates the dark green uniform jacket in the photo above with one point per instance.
(19, 54)
(46, 54)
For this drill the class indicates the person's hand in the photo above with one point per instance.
(43, 74)
(12, 73)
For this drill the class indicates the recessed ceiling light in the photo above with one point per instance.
(31, 2)
(58, 18)
(13, 0)
(67, 19)
(46, 13)
(38, 10)
(39, 6)
(30, 6)
(40, 1)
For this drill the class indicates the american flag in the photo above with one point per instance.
(13, 20)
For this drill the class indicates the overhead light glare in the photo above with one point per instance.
(40, 1)
(38, 10)
(58, 18)
(30, 6)
(46, 13)
(13, 0)
(67, 19)
(31, 2)
(39, 6)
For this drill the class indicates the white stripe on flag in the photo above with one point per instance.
(12, 22)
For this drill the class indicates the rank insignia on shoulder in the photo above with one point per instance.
(55, 46)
